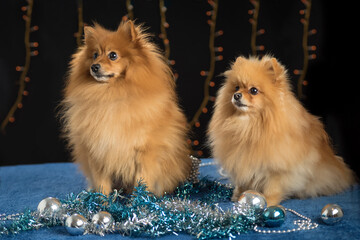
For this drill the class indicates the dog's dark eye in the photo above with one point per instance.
(237, 88)
(253, 91)
(95, 55)
(113, 56)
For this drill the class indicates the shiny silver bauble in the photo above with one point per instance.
(76, 224)
(253, 200)
(102, 221)
(48, 207)
(331, 214)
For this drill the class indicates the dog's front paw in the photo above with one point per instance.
(273, 200)
(236, 194)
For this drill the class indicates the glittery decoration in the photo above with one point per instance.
(302, 224)
(24, 222)
(49, 207)
(76, 224)
(102, 222)
(252, 200)
(195, 169)
(194, 208)
(274, 216)
(331, 214)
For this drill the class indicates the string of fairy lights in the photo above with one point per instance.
(163, 25)
(130, 11)
(207, 76)
(163, 35)
(305, 20)
(213, 58)
(254, 25)
(30, 51)
(80, 31)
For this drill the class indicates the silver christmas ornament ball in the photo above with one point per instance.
(48, 207)
(253, 200)
(102, 220)
(331, 214)
(75, 224)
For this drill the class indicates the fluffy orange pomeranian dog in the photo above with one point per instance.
(266, 141)
(121, 115)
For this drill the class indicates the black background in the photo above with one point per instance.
(332, 76)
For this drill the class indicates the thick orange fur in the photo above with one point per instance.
(272, 145)
(125, 125)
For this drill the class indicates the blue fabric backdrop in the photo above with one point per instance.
(24, 186)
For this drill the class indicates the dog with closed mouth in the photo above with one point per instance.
(120, 113)
(267, 141)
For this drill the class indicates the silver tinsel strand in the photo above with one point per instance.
(194, 208)
(144, 214)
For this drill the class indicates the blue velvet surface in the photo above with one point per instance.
(23, 187)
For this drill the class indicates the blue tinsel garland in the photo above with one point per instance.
(193, 209)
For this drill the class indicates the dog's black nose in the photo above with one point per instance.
(95, 68)
(237, 96)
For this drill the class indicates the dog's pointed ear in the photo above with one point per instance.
(275, 67)
(239, 60)
(129, 28)
(88, 33)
